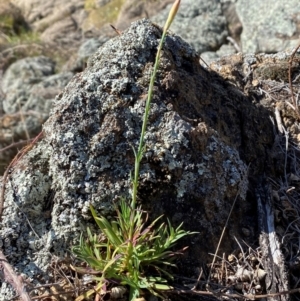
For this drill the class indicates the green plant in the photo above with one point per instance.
(131, 252)
(128, 265)
(23, 37)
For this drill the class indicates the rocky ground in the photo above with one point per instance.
(222, 128)
(68, 33)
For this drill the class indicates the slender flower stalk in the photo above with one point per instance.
(141, 148)
(172, 15)
(139, 154)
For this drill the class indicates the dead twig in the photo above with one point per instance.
(53, 295)
(24, 123)
(116, 30)
(12, 278)
(15, 144)
(279, 121)
(12, 163)
(234, 44)
(290, 81)
(236, 295)
(201, 59)
(11, 49)
(221, 237)
(198, 280)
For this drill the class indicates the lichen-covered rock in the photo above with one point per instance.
(269, 26)
(29, 86)
(31, 77)
(202, 134)
(200, 23)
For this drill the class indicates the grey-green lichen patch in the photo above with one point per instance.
(24, 227)
(191, 172)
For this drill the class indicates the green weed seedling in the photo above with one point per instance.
(126, 260)
(130, 250)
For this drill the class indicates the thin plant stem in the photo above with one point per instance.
(222, 234)
(141, 148)
(139, 155)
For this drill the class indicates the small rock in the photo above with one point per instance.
(201, 23)
(268, 26)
